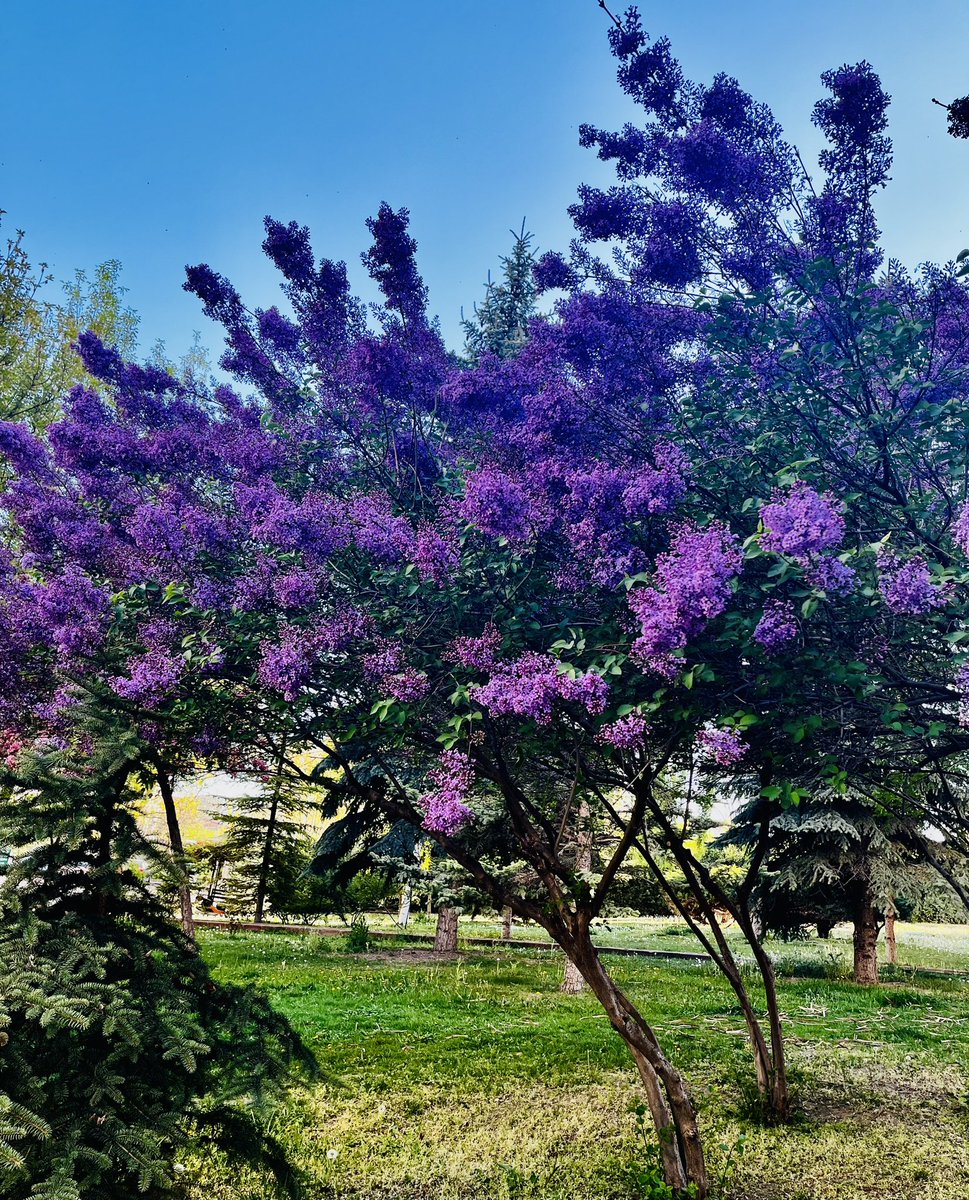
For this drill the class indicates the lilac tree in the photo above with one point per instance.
(704, 531)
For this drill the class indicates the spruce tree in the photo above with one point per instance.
(117, 1046)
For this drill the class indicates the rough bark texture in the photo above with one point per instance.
(891, 945)
(186, 909)
(670, 1105)
(507, 917)
(446, 934)
(866, 939)
(572, 981)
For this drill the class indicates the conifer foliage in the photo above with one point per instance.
(117, 1047)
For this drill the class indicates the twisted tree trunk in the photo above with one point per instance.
(668, 1098)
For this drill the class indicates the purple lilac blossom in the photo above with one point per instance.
(479, 653)
(831, 575)
(152, 677)
(286, 665)
(444, 808)
(407, 685)
(723, 746)
(777, 628)
(530, 685)
(627, 733)
(801, 523)
(496, 505)
(907, 587)
(693, 580)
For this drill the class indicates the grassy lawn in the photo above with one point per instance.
(475, 1077)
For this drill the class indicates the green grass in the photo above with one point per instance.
(476, 1078)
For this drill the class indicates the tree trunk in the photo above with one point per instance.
(866, 939)
(507, 917)
(891, 945)
(403, 912)
(572, 981)
(446, 934)
(262, 882)
(178, 853)
(670, 1105)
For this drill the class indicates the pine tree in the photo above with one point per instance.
(499, 325)
(116, 1044)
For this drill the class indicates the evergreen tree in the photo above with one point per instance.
(499, 325)
(116, 1044)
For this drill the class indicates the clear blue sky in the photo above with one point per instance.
(161, 133)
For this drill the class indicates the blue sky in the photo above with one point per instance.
(161, 133)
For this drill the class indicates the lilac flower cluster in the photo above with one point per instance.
(479, 653)
(724, 746)
(286, 665)
(907, 587)
(626, 733)
(532, 684)
(801, 523)
(496, 505)
(777, 628)
(152, 677)
(962, 687)
(444, 806)
(693, 585)
(831, 575)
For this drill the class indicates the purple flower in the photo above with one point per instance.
(777, 628)
(286, 665)
(694, 579)
(479, 653)
(530, 685)
(831, 575)
(407, 685)
(152, 677)
(444, 808)
(723, 746)
(907, 587)
(627, 733)
(436, 556)
(801, 523)
(496, 504)
(962, 685)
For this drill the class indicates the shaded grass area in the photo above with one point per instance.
(476, 1077)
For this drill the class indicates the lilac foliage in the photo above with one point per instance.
(725, 747)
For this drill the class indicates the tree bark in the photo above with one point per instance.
(866, 938)
(891, 945)
(178, 852)
(403, 911)
(670, 1105)
(446, 934)
(262, 881)
(507, 917)
(572, 981)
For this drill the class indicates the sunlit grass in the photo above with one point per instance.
(476, 1077)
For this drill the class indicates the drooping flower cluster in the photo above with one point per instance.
(693, 584)
(801, 523)
(907, 586)
(777, 628)
(531, 685)
(724, 746)
(626, 733)
(444, 805)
